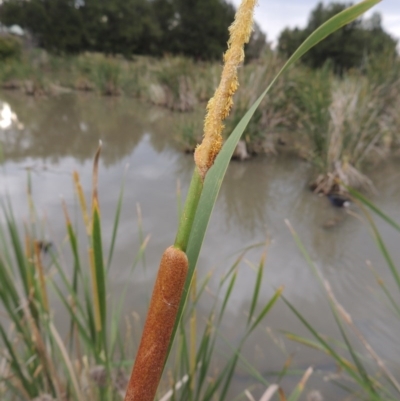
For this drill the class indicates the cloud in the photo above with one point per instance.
(274, 15)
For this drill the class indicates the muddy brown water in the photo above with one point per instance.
(53, 136)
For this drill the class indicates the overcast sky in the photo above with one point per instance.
(274, 15)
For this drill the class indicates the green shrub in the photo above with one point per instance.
(107, 74)
(10, 47)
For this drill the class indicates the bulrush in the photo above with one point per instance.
(160, 321)
(219, 106)
(170, 282)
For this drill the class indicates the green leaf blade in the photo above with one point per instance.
(215, 175)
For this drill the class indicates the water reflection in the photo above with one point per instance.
(8, 118)
(69, 125)
(252, 196)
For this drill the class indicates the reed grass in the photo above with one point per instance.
(174, 88)
(271, 117)
(342, 125)
(354, 122)
(366, 375)
(40, 361)
(304, 106)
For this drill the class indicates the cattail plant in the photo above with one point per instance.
(174, 263)
(178, 261)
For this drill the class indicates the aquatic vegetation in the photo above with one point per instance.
(365, 375)
(347, 124)
(107, 74)
(304, 105)
(189, 131)
(89, 361)
(174, 84)
(272, 113)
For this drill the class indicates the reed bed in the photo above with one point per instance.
(38, 361)
(355, 123)
(340, 124)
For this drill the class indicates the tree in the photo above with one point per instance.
(200, 28)
(56, 24)
(347, 48)
(165, 17)
(120, 26)
(194, 28)
(256, 45)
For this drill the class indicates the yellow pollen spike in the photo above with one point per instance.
(220, 105)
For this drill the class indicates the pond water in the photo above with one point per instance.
(54, 136)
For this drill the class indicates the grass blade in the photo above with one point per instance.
(116, 223)
(27, 385)
(256, 289)
(266, 309)
(357, 195)
(382, 247)
(99, 272)
(300, 386)
(349, 368)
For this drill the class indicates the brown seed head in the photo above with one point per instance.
(158, 328)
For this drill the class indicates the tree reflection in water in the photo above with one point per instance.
(71, 125)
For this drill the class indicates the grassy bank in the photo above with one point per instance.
(173, 82)
(342, 125)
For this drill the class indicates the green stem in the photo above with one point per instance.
(189, 211)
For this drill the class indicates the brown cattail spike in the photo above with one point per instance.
(157, 331)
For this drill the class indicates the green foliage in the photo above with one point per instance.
(195, 28)
(196, 363)
(10, 48)
(124, 27)
(176, 78)
(201, 29)
(12, 69)
(257, 44)
(107, 74)
(349, 47)
(39, 360)
(272, 112)
(312, 95)
(57, 25)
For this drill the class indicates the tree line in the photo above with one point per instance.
(194, 28)
(349, 47)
